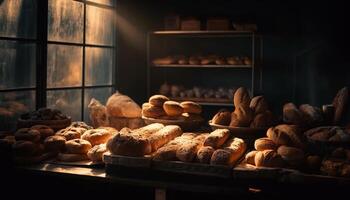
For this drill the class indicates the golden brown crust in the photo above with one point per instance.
(250, 157)
(204, 154)
(222, 118)
(229, 155)
(258, 104)
(188, 150)
(55, 143)
(262, 144)
(96, 136)
(268, 158)
(95, 154)
(191, 107)
(78, 146)
(158, 100)
(163, 136)
(151, 111)
(241, 117)
(241, 97)
(217, 138)
(71, 133)
(173, 108)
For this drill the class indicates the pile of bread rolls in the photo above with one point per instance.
(283, 147)
(160, 107)
(248, 112)
(203, 60)
(216, 148)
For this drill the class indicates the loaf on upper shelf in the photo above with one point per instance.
(211, 59)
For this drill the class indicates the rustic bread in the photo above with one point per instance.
(119, 105)
(241, 97)
(250, 157)
(217, 138)
(163, 136)
(229, 155)
(293, 156)
(222, 118)
(292, 115)
(258, 104)
(262, 144)
(158, 100)
(204, 154)
(268, 158)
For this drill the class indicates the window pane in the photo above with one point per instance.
(65, 21)
(99, 26)
(68, 101)
(12, 104)
(105, 2)
(64, 66)
(98, 62)
(101, 94)
(17, 64)
(18, 18)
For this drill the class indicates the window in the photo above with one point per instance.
(77, 47)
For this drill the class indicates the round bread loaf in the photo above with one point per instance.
(78, 146)
(71, 133)
(293, 156)
(96, 136)
(95, 153)
(241, 97)
(250, 157)
(292, 115)
(173, 108)
(222, 118)
(268, 158)
(191, 107)
(45, 131)
(262, 144)
(151, 111)
(158, 100)
(258, 104)
(55, 143)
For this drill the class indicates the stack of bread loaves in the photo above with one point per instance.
(160, 107)
(215, 148)
(283, 147)
(142, 141)
(248, 112)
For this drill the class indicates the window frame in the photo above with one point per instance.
(41, 41)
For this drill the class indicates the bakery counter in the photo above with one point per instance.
(90, 182)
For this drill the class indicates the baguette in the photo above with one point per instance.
(163, 136)
(229, 155)
(188, 150)
(217, 138)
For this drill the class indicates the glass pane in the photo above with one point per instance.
(101, 94)
(12, 104)
(105, 2)
(64, 66)
(68, 101)
(17, 64)
(65, 21)
(99, 26)
(18, 18)
(98, 62)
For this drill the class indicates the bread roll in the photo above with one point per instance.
(289, 135)
(229, 155)
(222, 118)
(191, 107)
(258, 104)
(217, 138)
(204, 154)
(164, 61)
(312, 115)
(293, 156)
(129, 145)
(263, 120)
(119, 105)
(268, 158)
(340, 103)
(241, 117)
(292, 115)
(241, 97)
(151, 111)
(250, 157)
(262, 144)
(173, 108)
(188, 150)
(95, 154)
(158, 100)
(163, 136)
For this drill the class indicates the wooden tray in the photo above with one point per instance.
(127, 161)
(185, 125)
(54, 124)
(193, 168)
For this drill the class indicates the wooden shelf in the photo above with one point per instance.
(206, 102)
(203, 66)
(203, 32)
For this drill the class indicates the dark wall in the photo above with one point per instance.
(305, 44)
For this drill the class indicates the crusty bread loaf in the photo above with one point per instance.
(263, 120)
(152, 111)
(289, 135)
(258, 104)
(241, 97)
(191, 107)
(188, 150)
(242, 116)
(268, 158)
(217, 138)
(148, 130)
(173, 108)
(250, 157)
(312, 116)
(340, 103)
(158, 100)
(222, 118)
(119, 105)
(229, 155)
(204, 154)
(163, 136)
(262, 144)
(292, 115)
(293, 156)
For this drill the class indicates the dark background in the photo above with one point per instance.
(305, 44)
